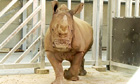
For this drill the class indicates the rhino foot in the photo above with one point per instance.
(57, 82)
(69, 76)
(82, 73)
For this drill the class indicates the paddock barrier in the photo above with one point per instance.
(35, 34)
(123, 34)
(31, 41)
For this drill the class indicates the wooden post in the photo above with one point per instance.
(97, 26)
(82, 12)
(24, 30)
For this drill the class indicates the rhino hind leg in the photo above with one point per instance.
(82, 72)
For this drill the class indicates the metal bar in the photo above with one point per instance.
(97, 25)
(15, 16)
(66, 63)
(128, 8)
(136, 8)
(94, 28)
(69, 4)
(20, 42)
(18, 28)
(35, 57)
(118, 8)
(16, 66)
(27, 50)
(109, 30)
(8, 7)
(24, 30)
(82, 12)
(42, 54)
(124, 65)
(36, 32)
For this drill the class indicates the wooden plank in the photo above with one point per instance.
(43, 21)
(27, 50)
(22, 65)
(20, 42)
(35, 57)
(18, 28)
(8, 7)
(136, 14)
(15, 16)
(82, 12)
(24, 30)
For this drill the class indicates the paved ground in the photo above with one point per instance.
(27, 76)
(93, 77)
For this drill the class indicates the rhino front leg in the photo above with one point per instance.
(72, 73)
(57, 66)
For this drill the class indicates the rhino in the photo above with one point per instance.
(67, 38)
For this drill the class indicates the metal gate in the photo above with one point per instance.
(35, 36)
(123, 34)
(36, 32)
(126, 42)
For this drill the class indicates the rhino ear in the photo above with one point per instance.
(78, 9)
(54, 6)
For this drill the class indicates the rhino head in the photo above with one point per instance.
(62, 26)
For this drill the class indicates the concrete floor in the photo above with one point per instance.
(92, 77)
(27, 76)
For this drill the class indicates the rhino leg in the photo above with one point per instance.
(57, 66)
(73, 71)
(82, 72)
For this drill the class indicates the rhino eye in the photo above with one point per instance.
(71, 30)
(52, 29)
